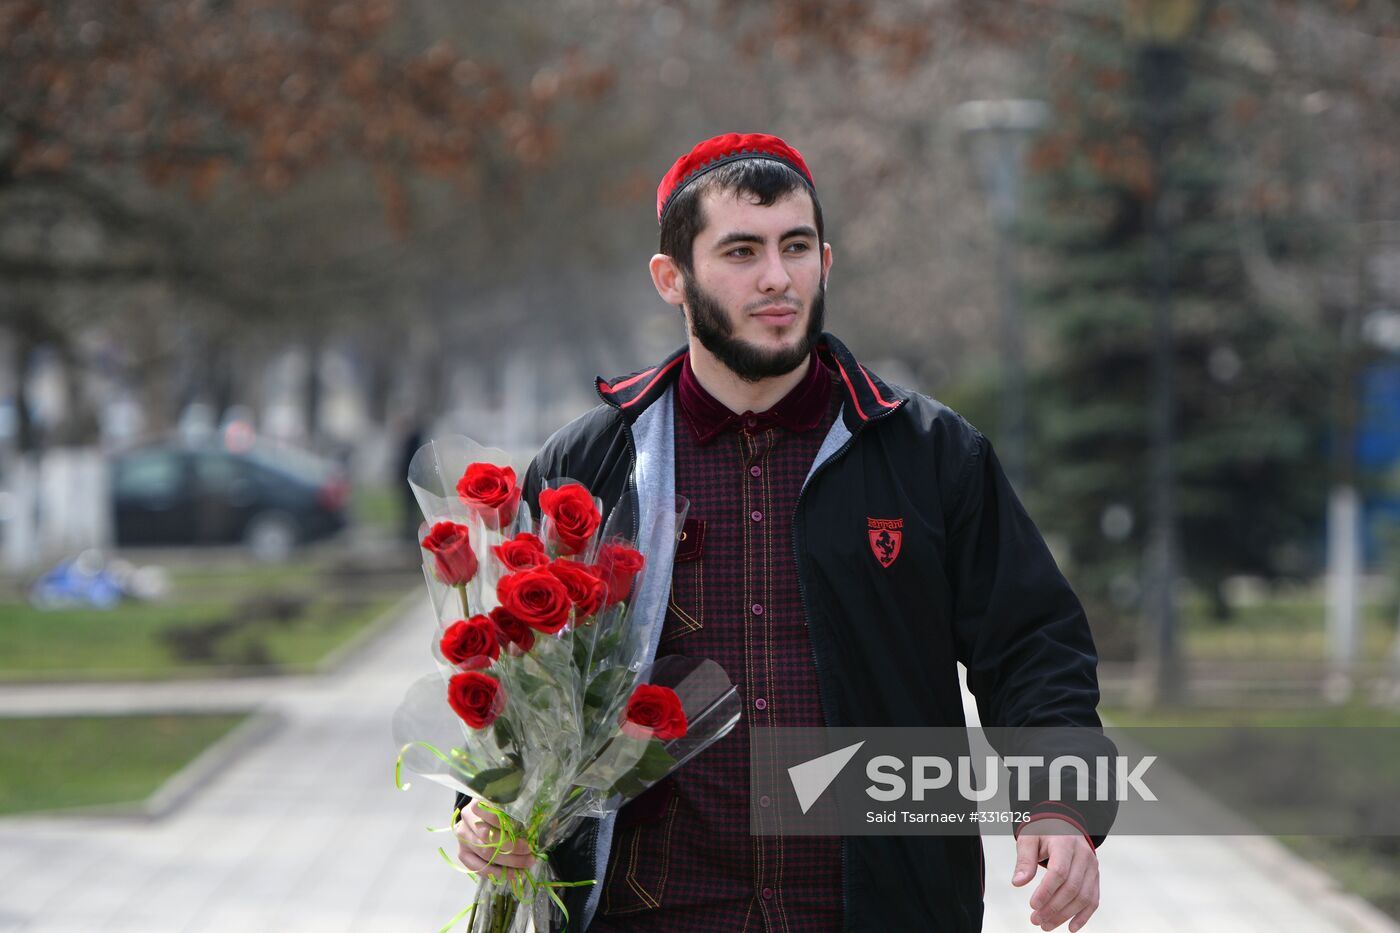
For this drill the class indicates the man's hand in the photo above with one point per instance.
(478, 832)
(1070, 888)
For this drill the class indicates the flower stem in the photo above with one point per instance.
(462, 593)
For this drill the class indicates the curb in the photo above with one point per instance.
(387, 620)
(208, 764)
(1313, 884)
(181, 785)
(263, 720)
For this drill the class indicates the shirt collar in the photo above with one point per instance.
(800, 410)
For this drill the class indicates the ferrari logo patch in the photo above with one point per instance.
(886, 535)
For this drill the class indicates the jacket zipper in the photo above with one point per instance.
(630, 489)
(812, 646)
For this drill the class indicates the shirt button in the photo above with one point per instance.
(750, 421)
(760, 703)
(756, 515)
(767, 894)
(757, 609)
(755, 471)
(765, 800)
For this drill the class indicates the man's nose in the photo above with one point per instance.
(774, 278)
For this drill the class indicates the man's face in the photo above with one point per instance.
(756, 300)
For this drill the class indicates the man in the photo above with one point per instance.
(848, 542)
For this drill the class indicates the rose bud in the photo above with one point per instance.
(574, 513)
(465, 642)
(654, 713)
(490, 491)
(537, 598)
(451, 547)
(511, 630)
(476, 697)
(523, 552)
(586, 591)
(619, 565)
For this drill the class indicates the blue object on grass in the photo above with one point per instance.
(70, 584)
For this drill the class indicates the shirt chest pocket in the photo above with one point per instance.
(640, 861)
(685, 608)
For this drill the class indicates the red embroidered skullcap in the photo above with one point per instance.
(721, 150)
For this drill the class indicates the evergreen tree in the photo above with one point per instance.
(1249, 376)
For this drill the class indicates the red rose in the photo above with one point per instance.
(586, 591)
(522, 552)
(476, 697)
(537, 598)
(451, 546)
(476, 638)
(618, 564)
(511, 630)
(575, 515)
(654, 713)
(490, 491)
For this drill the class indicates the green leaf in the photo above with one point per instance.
(501, 785)
(605, 686)
(628, 786)
(504, 737)
(655, 763)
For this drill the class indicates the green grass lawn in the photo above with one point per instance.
(379, 506)
(217, 618)
(1366, 866)
(1285, 625)
(52, 763)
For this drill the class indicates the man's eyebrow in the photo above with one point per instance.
(740, 236)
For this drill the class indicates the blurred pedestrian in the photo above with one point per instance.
(411, 438)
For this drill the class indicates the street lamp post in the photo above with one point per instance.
(997, 132)
(1158, 29)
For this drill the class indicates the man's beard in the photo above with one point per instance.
(712, 327)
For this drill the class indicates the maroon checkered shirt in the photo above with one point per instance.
(683, 858)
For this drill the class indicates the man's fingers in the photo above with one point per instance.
(472, 827)
(1072, 896)
(515, 853)
(482, 860)
(1027, 857)
(484, 816)
(1056, 874)
(478, 836)
(1081, 918)
(474, 862)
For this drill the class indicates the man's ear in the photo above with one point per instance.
(668, 279)
(826, 262)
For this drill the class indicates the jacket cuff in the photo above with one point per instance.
(1054, 810)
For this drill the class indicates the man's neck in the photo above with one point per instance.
(740, 395)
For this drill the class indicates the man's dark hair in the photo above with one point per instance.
(763, 179)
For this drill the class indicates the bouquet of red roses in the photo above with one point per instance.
(543, 709)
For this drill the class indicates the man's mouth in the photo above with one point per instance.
(778, 314)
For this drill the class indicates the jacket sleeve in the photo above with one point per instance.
(1023, 636)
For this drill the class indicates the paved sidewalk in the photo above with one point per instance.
(305, 832)
(1189, 884)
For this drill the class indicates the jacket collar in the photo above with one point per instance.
(870, 398)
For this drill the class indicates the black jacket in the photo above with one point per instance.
(973, 582)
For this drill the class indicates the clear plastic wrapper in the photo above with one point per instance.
(542, 708)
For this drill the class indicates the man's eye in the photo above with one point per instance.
(799, 246)
(740, 252)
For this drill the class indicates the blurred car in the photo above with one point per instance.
(270, 498)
